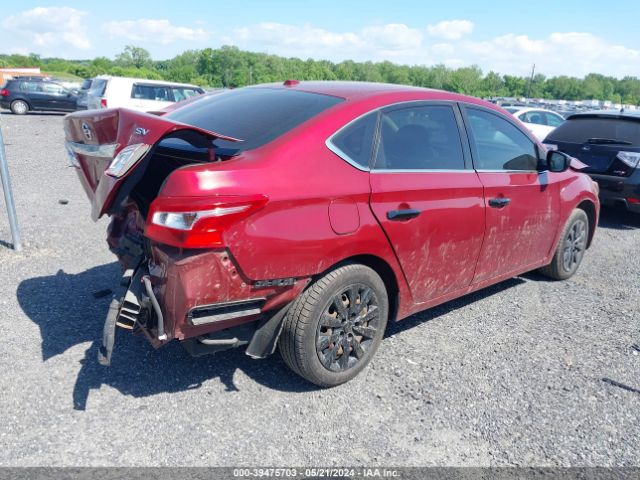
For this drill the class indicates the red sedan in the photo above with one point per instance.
(307, 215)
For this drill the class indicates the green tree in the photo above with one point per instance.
(133, 56)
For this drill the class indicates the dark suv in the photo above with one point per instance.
(22, 95)
(609, 143)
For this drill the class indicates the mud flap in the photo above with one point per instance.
(109, 333)
(265, 339)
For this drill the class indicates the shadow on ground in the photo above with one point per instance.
(68, 314)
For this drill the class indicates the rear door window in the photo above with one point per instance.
(583, 129)
(31, 86)
(420, 138)
(98, 86)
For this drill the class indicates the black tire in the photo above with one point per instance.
(19, 107)
(316, 327)
(571, 247)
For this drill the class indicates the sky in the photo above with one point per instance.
(561, 37)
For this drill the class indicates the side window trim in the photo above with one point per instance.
(470, 141)
(339, 152)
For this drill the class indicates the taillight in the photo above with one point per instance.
(194, 222)
(631, 159)
(4, 92)
(103, 102)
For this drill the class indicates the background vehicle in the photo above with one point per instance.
(541, 122)
(609, 143)
(322, 210)
(83, 93)
(21, 96)
(137, 94)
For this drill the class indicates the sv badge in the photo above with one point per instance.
(141, 131)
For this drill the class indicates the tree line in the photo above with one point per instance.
(230, 67)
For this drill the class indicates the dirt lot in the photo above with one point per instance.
(529, 372)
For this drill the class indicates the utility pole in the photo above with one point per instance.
(533, 70)
(8, 197)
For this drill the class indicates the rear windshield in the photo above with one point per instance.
(255, 115)
(98, 86)
(581, 129)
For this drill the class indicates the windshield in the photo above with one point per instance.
(255, 115)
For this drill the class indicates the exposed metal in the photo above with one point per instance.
(8, 197)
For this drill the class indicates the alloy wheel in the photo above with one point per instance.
(347, 328)
(574, 245)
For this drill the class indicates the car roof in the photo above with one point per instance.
(627, 115)
(356, 91)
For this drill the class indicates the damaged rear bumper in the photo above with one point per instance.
(202, 299)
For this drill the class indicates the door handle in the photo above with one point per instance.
(499, 202)
(401, 215)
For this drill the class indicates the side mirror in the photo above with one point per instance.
(557, 161)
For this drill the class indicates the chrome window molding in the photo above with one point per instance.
(343, 155)
(424, 170)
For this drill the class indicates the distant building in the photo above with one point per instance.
(9, 73)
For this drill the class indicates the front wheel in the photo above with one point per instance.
(334, 328)
(571, 247)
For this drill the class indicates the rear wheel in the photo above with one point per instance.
(571, 247)
(334, 328)
(19, 107)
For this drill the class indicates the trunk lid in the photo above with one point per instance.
(94, 138)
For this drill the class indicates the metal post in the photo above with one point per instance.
(8, 197)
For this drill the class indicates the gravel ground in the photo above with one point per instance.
(528, 372)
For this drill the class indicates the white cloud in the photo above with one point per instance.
(393, 36)
(48, 27)
(153, 31)
(450, 29)
(271, 34)
(568, 53)
(378, 42)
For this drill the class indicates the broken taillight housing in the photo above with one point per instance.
(126, 158)
(193, 222)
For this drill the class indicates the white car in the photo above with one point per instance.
(137, 93)
(541, 122)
